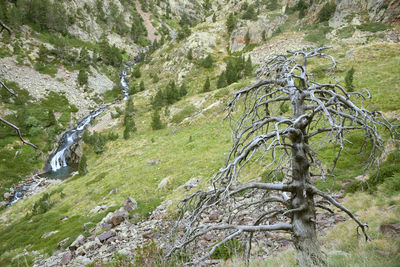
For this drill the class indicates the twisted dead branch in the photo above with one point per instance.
(265, 131)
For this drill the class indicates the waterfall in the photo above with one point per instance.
(58, 160)
(124, 84)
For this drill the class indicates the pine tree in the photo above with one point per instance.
(183, 90)
(247, 38)
(214, 18)
(172, 94)
(221, 80)
(207, 62)
(84, 58)
(231, 74)
(158, 100)
(136, 72)
(51, 118)
(141, 86)
(248, 68)
(230, 23)
(206, 86)
(127, 132)
(156, 123)
(42, 54)
(82, 167)
(129, 123)
(190, 54)
(349, 79)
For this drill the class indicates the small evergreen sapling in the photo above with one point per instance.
(156, 123)
(82, 167)
(206, 86)
(349, 79)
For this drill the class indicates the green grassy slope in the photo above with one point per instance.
(197, 147)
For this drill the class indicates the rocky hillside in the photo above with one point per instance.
(183, 59)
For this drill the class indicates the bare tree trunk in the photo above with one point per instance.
(302, 204)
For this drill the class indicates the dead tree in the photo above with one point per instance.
(283, 141)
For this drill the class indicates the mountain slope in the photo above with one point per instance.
(152, 165)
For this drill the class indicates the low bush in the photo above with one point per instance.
(327, 12)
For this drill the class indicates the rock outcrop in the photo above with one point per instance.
(264, 27)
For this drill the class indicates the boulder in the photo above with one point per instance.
(118, 217)
(194, 182)
(390, 230)
(7, 196)
(164, 183)
(106, 235)
(98, 209)
(82, 261)
(92, 245)
(45, 235)
(66, 258)
(63, 242)
(130, 204)
(80, 251)
(77, 243)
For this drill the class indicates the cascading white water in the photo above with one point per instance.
(124, 84)
(58, 159)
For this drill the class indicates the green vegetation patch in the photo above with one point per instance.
(184, 113)
(346, 32)
(372, 27)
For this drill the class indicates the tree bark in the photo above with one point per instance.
(302, 204)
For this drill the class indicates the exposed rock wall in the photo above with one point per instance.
(264, 24)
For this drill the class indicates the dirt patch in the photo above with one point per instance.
(147, 23)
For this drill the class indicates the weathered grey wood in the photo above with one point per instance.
(316, 109)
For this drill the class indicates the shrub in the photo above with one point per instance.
(272, 5)
(372, 27)
(327, 12)
(228, 250)
(301, 7)
(207, 62)
(346, 32)
(190, 54)
(183, 90)
(42, 205)
(112, 136)
(154, 77)
(250, 13)
(184, 113)
(141, 86)
(82, 77)
(136, 71)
